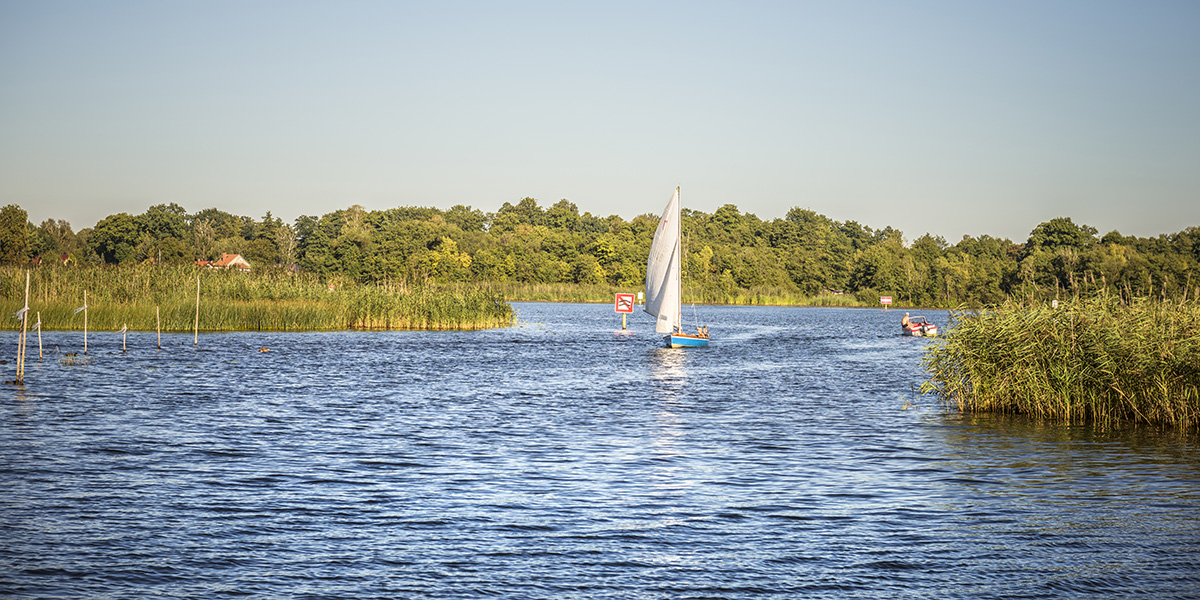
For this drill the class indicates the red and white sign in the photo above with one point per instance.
(624, 303)
(885, 299)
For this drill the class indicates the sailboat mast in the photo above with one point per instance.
(679, 253)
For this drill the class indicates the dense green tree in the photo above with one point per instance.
(260, 253)
(730, 226)
(116, 238)
(526, 212)
(14, 234)
(860, 237)
(586, 269)
(809, 242)
(224, 224)
(590, 224)
(563, 215)
(314, 240)
(172, 250)
(1060, 233)
(53, 239)
(876, 270)
(466, 218)
(164, 220)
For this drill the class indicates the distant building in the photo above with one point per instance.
(227, 261)
(232, 261)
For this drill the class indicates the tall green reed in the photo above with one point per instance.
(1094, 360)
(230, 300)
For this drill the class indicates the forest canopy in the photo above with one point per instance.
(727, 252)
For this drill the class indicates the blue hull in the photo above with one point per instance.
(685, 341)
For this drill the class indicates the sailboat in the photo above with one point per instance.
(664, 281)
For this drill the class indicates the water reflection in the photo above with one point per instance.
(1077, 501)
(668, 369)
(1020, 458)
(1015, 435)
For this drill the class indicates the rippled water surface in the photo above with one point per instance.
(792, 458)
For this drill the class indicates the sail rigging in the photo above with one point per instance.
(663, 270)
(664, 280)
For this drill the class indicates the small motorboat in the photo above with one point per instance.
(919, 327)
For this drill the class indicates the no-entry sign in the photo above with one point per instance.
(624, 303)
(885, 299)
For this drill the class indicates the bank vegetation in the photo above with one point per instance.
(146, 296)
(532, 252)
(1098, 359)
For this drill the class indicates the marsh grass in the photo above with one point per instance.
(547, 292)
(602, 293)
(231, 301)
(1094, 360)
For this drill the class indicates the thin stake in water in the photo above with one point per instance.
(84, 308)
(23, 315)
(196, 334)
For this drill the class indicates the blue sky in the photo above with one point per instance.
(950, 118)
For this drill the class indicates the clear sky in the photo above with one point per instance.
(948, 117)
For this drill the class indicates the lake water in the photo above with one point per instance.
(555, 459)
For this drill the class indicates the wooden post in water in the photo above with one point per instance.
(158, 326)
(196, 334)
(39, 336)
(21, 338)
(85, 311)
(124, 335)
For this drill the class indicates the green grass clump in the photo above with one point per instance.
(264, 300)
(1094, 360)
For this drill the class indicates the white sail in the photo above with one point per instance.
(663, 272)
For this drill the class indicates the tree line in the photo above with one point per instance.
(728, 254)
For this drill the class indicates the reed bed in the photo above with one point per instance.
(602, 293)
(765, 296)
(547, 292)
(1094, 360)
(268, 300)
(770, 296)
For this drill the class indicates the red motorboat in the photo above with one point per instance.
(919, 327)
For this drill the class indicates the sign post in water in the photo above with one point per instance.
(624, 306)
(885, 301)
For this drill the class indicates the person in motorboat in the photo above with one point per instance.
(904, 321)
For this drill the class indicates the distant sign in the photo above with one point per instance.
(885, 299)
(624, 303)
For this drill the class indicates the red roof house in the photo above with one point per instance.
(231, 261)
